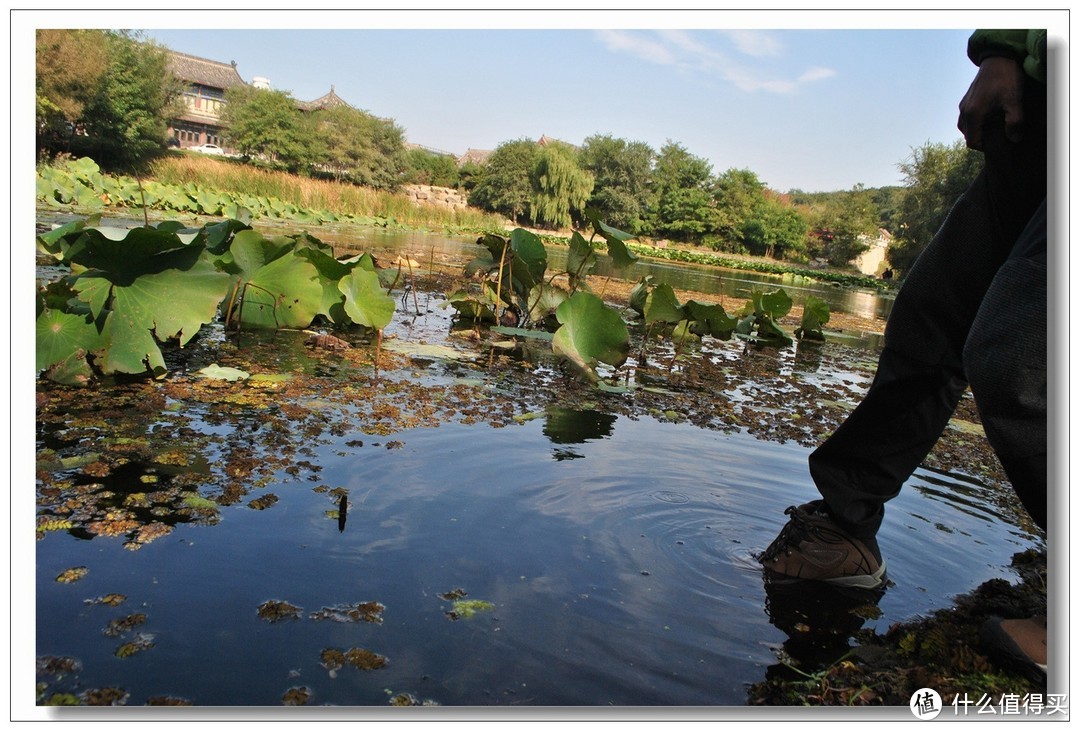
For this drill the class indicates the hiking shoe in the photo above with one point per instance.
(813, 547)
(1019, 642)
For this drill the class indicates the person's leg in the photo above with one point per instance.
(1005, 360)
(920, 376)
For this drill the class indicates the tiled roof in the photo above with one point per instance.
(476, 156)
(328, 100)
(195, 70)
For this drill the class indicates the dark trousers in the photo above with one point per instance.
(972, 311)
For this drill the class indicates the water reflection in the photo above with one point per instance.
(572, 426)
(819, 620)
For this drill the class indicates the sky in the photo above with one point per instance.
(809, 100)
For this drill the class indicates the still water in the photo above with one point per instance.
(616, 553)
(613, 556)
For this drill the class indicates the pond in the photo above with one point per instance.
(511, 536)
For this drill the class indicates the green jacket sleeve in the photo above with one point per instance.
(1028, 47)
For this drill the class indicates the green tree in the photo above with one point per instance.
(852, 219)
(70, 68)
(359, 147)
(267, 124)
(934, 176)
(125, 110)
(683, 207)
(560, 187)
(623, 174)
(775, 229)
(504, 186)
(737, 194)
(429, 168)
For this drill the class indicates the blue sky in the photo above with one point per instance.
(815, 100)
(814, 109)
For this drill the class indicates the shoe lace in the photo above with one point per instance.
(794, 532)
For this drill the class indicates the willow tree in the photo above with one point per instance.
(560, 186)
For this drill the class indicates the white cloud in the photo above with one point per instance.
(816, 73)
(755, 43)
(686, 50)
(636, 44)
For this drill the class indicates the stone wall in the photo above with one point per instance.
(432, 195)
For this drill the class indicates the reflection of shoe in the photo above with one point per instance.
(819, 620)
(1021, 642)
(813, 547)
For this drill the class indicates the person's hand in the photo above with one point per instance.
(996, 94)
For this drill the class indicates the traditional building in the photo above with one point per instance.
(329, 100)
(204, 98)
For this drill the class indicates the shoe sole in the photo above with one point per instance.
(856, 581)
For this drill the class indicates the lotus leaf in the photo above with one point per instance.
(366, 303)
(285, 293)
(173, 303)
(581, 258)
(223, 373)
(543, 300)
(661, 305)
(708, 319)
(590, 332)
(60, 334)
(815, 314)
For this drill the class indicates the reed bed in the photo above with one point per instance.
(313, 194)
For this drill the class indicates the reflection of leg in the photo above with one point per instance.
(1005, 359)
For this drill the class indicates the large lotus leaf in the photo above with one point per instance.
(591, 332)
(220, 235)
(366, 302)
(471, 307)
(581, 258)
(639, 295)
(331, 271)
(621, 255)
(52, 242)
(543, 300)
(170, 304)
(775, 304)
(286, 293)
(661, 305)
(60, 334)
(708, 319)
(251, 251)
(122, 254)
(815, 314)
(530, 258)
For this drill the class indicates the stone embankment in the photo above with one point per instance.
(432, 195)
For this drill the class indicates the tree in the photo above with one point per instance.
(935, 176)
(504, 186)
(429, 168)
(119, 116)
(359, 147)
(623, 174)
(774, 228)
(683, 207)
(560, 187)
(737, 194)
(852, 219)
(266, 123)
(70, 68)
